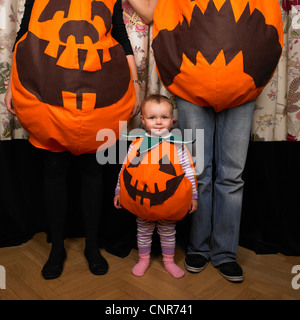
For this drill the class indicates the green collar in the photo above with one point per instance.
(149, 142)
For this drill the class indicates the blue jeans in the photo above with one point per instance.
(216, 223)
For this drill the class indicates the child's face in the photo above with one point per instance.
(157, 117)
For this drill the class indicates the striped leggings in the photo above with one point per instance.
(165, 229)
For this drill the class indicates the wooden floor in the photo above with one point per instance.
(267, 277)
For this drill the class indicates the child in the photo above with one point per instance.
(157, 116)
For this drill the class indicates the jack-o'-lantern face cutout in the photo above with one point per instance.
(226, 50)
(154, 186)
(157, 197)
(72, 59)
(71, 78)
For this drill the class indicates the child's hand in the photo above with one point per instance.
(194, 205)
(117, 201)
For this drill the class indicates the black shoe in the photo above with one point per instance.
(97, 263)
(231, 271)
(54, 266)
(195, 262)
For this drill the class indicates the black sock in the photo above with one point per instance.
(93, 254)
(56, 257)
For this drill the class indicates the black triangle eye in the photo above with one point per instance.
(166, 166)
(52, 7)
(135, 162)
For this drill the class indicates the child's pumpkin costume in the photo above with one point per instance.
(152, 183)
(218, 53)
(70, 77)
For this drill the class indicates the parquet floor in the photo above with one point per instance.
(267, 277)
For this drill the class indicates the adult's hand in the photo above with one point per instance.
(137, 104)
(144, 8)
(8, 98)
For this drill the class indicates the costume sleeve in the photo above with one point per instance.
(117, 190)
(187, 169)
(118, 29)
(25, 20)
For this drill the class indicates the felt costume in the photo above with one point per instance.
(70, 77)
(152, 182)
(218, 53)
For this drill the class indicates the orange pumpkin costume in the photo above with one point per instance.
(70, 77)
(152, 182)
(218, 53)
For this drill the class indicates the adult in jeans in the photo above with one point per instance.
(214, 232)
(189, 46)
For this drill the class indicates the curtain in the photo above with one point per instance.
(11, 12)
(277, 112)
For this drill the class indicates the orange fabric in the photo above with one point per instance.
(154, 189)
(70, 77)
(218, 53)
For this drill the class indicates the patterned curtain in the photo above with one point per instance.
(277, 112)
(11, 12)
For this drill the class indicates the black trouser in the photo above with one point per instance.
(56, 169)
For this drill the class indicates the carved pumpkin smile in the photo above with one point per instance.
(49, 89)
(157, 197)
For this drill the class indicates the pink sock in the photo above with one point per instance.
(171, 267)
(140, 268)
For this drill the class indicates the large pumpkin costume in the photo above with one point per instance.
(152, 183)
(218, 53)
(70, 77)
